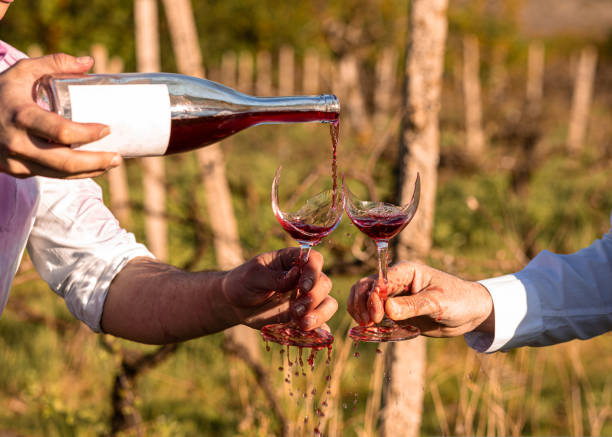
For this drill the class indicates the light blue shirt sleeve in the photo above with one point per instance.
(555, 298)
(78, 247)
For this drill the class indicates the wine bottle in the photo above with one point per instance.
(152, 114)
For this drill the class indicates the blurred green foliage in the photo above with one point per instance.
(73, 26)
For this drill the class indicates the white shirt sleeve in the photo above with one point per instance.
(555, 298)
(78, 247)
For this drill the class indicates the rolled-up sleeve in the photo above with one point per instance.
(78, 247)
(555, 298)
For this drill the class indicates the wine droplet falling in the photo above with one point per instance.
(334, 130)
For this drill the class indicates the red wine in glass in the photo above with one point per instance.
(381, 221)
(316, 219)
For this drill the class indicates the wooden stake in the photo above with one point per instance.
(419, 152)
(263, 84)
(245, 72)
(581, 101)
(117, 177)
(351, 93)
(311, 72)
(475, 140)
(154, 175)
(535, 74)
(286, 71)
(239, 340)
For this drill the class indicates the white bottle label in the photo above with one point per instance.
(137, 114)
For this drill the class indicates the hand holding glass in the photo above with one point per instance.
(381, 221)
(316, 219)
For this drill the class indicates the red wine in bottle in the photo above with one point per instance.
(190, 133)
(161, 113)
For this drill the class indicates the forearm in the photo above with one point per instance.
(152, 302)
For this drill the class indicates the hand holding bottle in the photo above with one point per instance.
(34, 141)
(153, 114)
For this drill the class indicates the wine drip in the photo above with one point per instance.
(303, 390)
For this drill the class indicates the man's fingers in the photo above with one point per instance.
(66, 161)
(311, 271)
(401, 278)
(358, 300)
(306, 302)
(376, 308)
(56, 63)
(56, 128)
(320, 315)
(405, 307)
(22, 168)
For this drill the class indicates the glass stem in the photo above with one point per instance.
(383, 249)
(383, 252)
(304, 254)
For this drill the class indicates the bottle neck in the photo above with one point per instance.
(258, 110)
(295, 109)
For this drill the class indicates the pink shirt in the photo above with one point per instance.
(74, 241)
(9, 55)
(18, 200)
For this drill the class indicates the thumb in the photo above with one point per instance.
(407, 307)
(284, 281)
(62, 63)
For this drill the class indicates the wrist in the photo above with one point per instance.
(218, 313)
(487, 325)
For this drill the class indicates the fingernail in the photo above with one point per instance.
(308, 321)
(84, 59)
(104, 132)
(116, 160)
(306, 284)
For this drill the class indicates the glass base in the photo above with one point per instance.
(290, 335)
(385, 331)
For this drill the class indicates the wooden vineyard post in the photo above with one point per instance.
(125, 415)
(240, 341)
(528, 131)
(581, 100)
(286, 71)
(263, 83)
(116, 177)
(384, 97)
(228, 68)
(535, 77)
(311, 72)
(351, 93)
(154, 175)
(245, 73)
(474, 135)
(419, 152)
